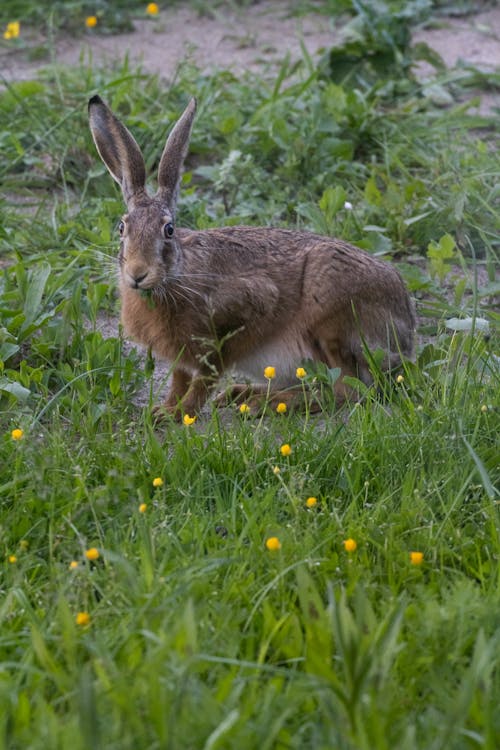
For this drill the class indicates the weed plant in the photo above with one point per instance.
(140, 604)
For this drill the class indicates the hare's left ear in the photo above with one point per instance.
(172, 159)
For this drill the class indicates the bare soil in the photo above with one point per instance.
(256, 38)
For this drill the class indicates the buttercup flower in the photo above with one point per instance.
(276, 470)
(285, 450)
(82, 618)
(281, 408)
(350, 545)
(12, 559)
(12, 30)
(270, 373)
(17, 434)
(400, 379)
(244, 409)
(188, 420)
(73, 565)
(416, 558)
(300, 373)
(152, 9)
(484, 408)
(157, 482)
(311, 502)
(273, 543)
(91, 22)
(92, 554)
(142, 508)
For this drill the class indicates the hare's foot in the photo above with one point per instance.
(163, 412)
(258, 398)
(236, 394)
(186, 396)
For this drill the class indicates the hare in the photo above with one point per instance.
(241, 298)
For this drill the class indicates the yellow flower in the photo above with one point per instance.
(285, 450)
(82, 618)
(416, 558)
(73, 565)
(311, 502)
(91, 22)
(270, 373)
(12, 559)
(92, 554)
(244, 409)
(273, 543)
(17, 434)
(281, 408)
(142, 508)
(400, 379)
(157, 482)
(12, 30)
(300, 373)
(484, 408)
(276, 470)
(350, 545)
(152, 9)
(188, 420)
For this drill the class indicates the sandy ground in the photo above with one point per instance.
(255, 38)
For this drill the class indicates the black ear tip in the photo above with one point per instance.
(95, 100)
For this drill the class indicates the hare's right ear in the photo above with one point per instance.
(118, 149)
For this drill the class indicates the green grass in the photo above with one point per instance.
(194, 623)
(199, 636)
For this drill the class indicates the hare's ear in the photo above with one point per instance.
(118, 149)
(172, 159)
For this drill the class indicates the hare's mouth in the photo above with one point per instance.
(140, 280)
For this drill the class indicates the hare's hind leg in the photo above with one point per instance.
(335, 353)
(237, 394)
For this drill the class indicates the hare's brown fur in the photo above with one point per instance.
(243, 297)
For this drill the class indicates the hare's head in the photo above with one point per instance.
(149, 250)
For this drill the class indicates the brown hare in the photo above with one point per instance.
(242, 298)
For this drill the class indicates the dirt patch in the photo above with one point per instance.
(256, 38)
(470, 41)
(474, 40)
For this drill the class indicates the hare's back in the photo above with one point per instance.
(328, 285)
(325, 268)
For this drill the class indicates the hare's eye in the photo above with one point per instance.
(168, 230)
(121, 228)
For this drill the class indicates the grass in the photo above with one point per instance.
(198, 635)
(195, 624)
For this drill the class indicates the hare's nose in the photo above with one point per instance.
(136, 280)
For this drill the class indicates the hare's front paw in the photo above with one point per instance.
(163, 412)
(185, 398)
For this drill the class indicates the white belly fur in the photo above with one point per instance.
(284, 354)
